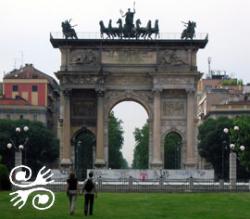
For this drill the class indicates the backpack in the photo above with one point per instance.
(89, 185)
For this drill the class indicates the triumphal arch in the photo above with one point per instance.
(160, 74)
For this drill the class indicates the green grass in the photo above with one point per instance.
(141, 206)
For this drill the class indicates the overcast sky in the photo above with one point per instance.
(26, 24)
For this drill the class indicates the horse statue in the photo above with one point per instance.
(68, 30)
(140, 31)
(149, 29)
(189, 32)
(118, 31)
(154, 30)
(104, 30)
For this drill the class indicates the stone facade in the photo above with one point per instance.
(161, 75)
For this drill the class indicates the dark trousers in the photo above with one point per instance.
(88, 204)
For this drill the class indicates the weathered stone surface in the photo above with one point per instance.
(160, 75)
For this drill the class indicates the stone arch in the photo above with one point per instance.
(78, 132)
(84, 144)
(142, 98)
(173, 153)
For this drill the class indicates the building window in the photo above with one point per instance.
(15, 88)
(34, 88)
(21, 116)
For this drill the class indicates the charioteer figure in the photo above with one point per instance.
(129, 20)
(68, 30)
(189, 32)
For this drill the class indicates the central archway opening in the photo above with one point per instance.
(133, 121)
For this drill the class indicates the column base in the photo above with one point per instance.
(99, 163)
(66, 163)
(190, 164)
(156, 164)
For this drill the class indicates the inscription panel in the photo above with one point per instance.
(128, 56)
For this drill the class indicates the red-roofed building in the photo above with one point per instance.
(19, 108)
(28, 87)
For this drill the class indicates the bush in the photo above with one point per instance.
(4, 178)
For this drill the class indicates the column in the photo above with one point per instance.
(66, 153)
(100, 162)
(190, 157)
(156, 161)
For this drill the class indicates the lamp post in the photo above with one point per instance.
(19, 147)
(234, 147)
(78, 144)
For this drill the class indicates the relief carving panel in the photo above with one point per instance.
(173, 57)
(173, 108)
(85, 57)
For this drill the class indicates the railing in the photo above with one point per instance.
(159, 185)
(162, 36)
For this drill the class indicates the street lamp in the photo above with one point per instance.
(234, 148)
(78, 144)
(19, 147)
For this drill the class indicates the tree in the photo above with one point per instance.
(4, 177)
(243, 123)
(214, 144)
(116, 159)
(140, 160)
(41, 149)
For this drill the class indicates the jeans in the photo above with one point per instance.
(88, 204)
(72, 200)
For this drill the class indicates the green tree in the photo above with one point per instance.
(214, 144)
(140, 160)
(243, 123)
(4, 176)
(116, 159)
(41, 149)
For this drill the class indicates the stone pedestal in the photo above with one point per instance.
(232, 170)
(18, 158)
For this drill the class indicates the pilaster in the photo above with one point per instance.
(156, 161)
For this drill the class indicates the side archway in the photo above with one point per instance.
(84, 142)
(172, 150)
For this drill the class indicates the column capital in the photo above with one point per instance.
(190, 90)
(67, 92)
(157, 90)
(99, 92)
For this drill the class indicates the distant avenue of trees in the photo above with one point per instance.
(116, 159)
(140, 160)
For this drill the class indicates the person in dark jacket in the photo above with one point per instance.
(89, 189)
(72, 184)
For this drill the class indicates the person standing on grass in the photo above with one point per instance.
(72, 184)
(90, 193)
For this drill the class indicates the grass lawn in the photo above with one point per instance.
(141, 205)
